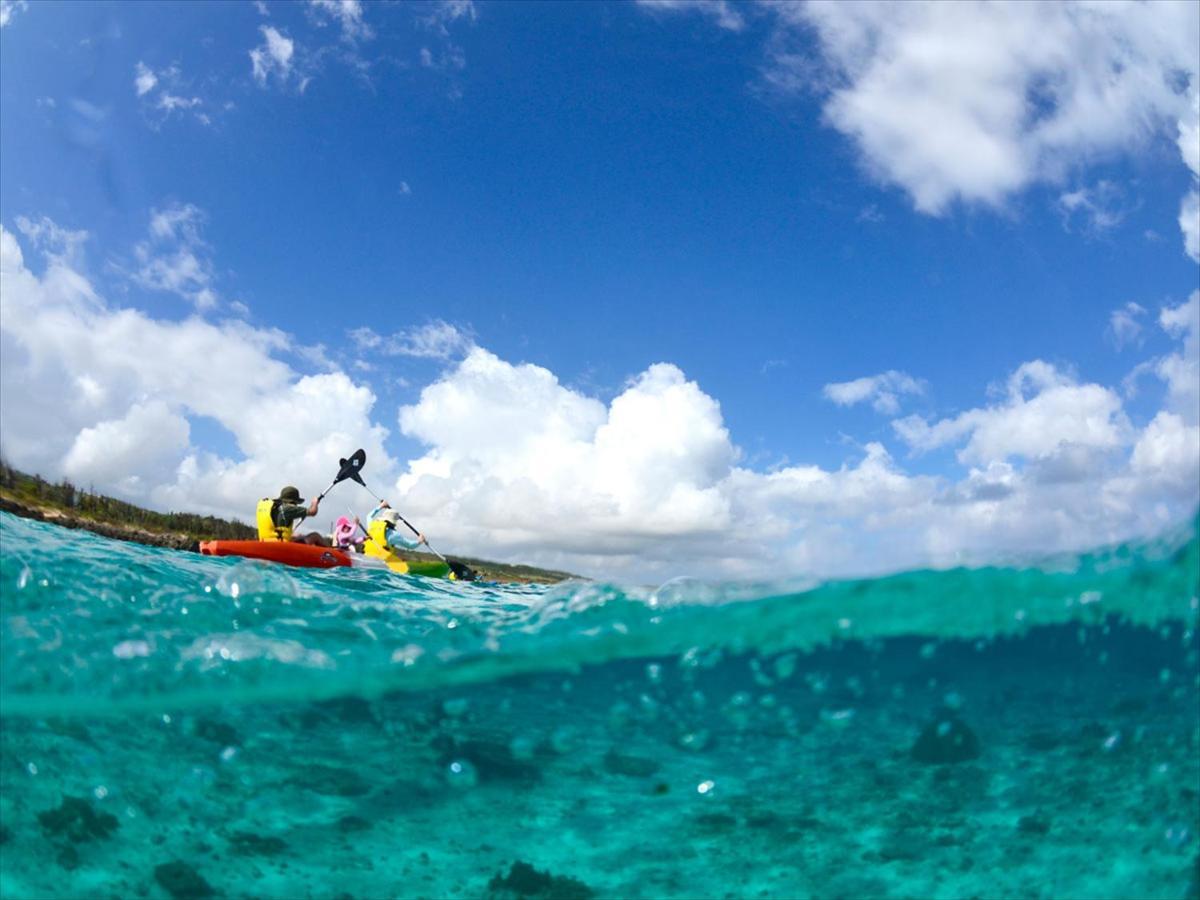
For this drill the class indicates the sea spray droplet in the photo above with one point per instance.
(131, 649)
(461, 774)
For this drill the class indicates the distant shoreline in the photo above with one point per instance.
(44, 509)
(171, 540)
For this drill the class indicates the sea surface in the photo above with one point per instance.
(173, 725)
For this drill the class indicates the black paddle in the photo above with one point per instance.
(350, 467)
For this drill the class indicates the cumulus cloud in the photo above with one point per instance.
(974, 101)
(1181, 371)
(124, 386)
(1044, 411)
(516, 465)
(971, 102)
(273, 57)
(883, 391)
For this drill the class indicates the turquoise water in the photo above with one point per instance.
(174, 725)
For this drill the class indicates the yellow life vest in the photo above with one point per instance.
(378, 545)
(267, 529)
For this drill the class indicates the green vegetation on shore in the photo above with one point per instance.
(87, 505)
(63, 503)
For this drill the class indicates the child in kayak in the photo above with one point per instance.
(392, 535)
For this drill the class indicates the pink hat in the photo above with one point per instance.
(343, 532)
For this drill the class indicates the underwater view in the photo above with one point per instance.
(182, 726)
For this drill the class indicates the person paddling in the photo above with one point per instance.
(277, 518)
(392, 536)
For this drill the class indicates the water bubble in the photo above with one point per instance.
(228, 754)
(1112, 742)
(928, 650)
(785, 666)
(23, 578)
(705, 787)
(654, 672)
(1177, 835)
(695, 740)
(461, 774)
(131, 649)
(839, 718)
(1164, 676)
(1090, 597)
(31, 768)
(953, 700)
(564, 739)
(456, 707)
(522, 747)
(100, 792)
(698, 700)
(407, 655)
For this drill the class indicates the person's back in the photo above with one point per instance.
(277, 518)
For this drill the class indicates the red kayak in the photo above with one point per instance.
(286, 552)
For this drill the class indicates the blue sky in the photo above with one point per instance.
(738, 191)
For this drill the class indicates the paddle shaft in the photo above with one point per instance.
(402, 519)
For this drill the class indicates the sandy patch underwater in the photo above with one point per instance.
(175, 726)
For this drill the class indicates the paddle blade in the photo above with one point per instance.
(351, 466)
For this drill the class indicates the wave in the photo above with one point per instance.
(99, 627)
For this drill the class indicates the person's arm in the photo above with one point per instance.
(312, 507)
(290, 513)
(395, 538)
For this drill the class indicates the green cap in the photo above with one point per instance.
(290, 494)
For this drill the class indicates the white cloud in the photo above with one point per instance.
(1044, 412)
(123, 385)
(348, 14)
(434, 340)
(144, 80)
(1099, 206)
(175, 258)
(261, 6)
(9, 8)
(1189, 224)
(883, 391)
(724, 14)
(160, 97)
(1181, 371)
(518, 466)
(405, 189)
(974, 101)
(1124, 328)
(273, 56)
(170, 102)
(971, 102)
(61, 244)
(446, 12)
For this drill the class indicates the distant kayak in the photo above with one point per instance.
(308, 556)
(287, 552)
